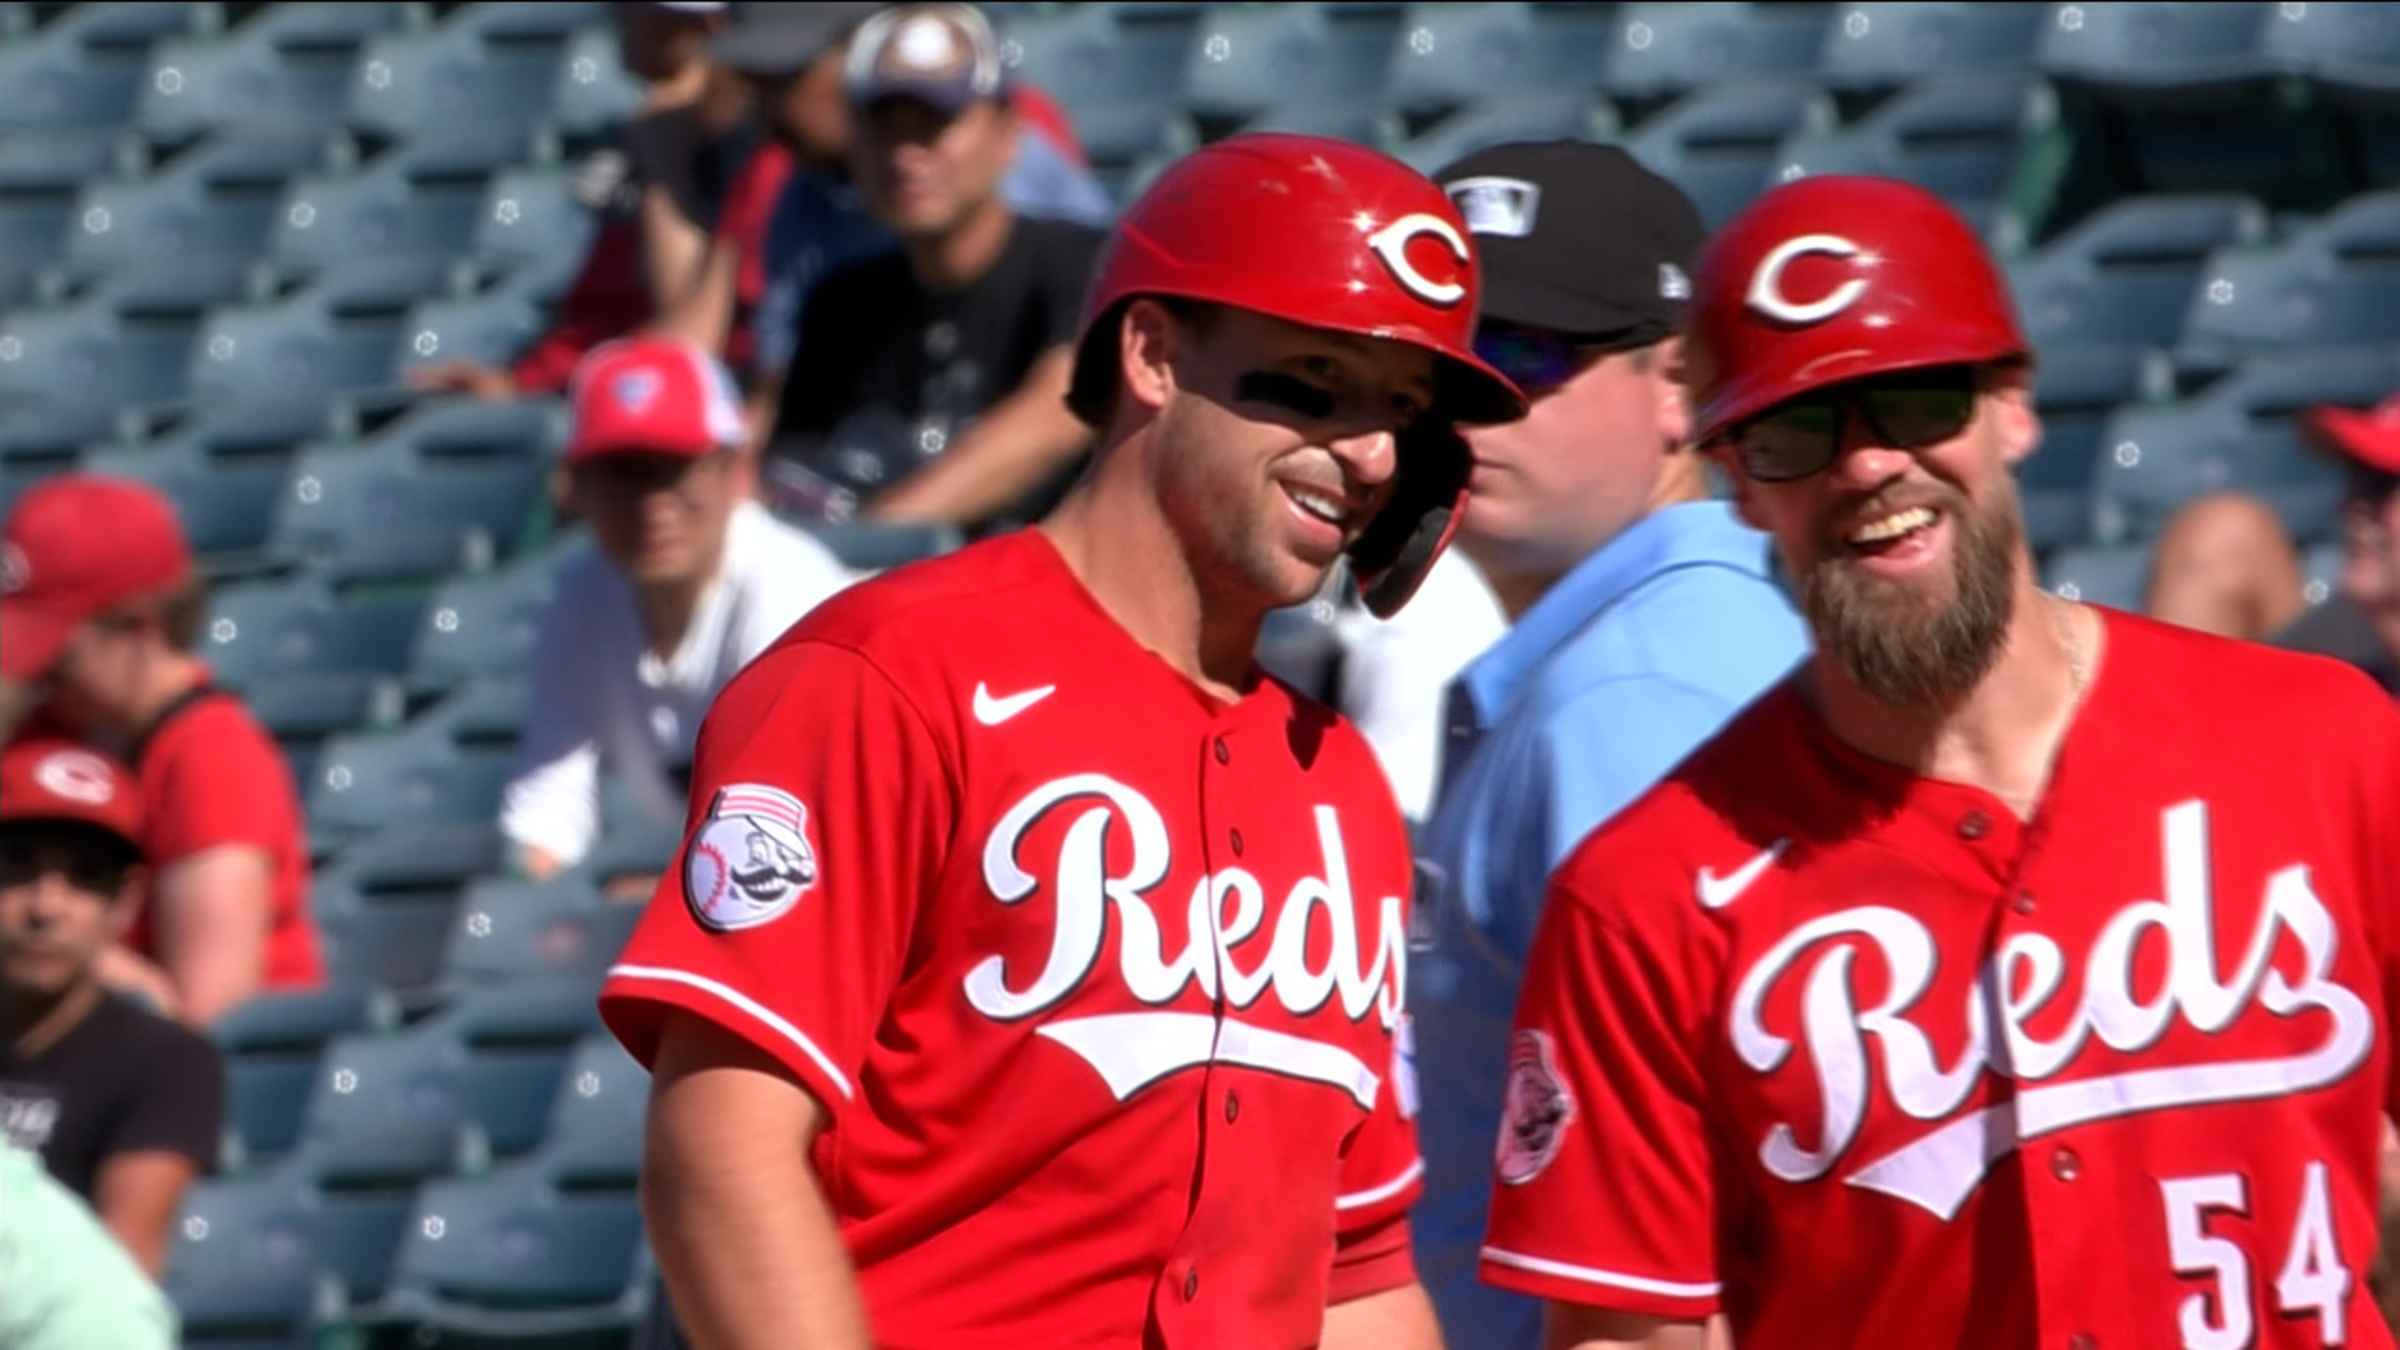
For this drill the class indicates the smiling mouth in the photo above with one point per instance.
(1890, 530)
(1318, 505)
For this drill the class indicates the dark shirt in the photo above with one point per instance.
(2338, 629)
(122, 1080)
(886, 372)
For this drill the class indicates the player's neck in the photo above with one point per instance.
(2003, 735)
(1112, 536)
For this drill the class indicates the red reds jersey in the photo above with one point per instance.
(1863, 1060)
(1097, 978)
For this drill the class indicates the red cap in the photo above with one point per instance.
(75, 546)
(2372, 438)
(653, 395)
(1834, 278)
(60, 780)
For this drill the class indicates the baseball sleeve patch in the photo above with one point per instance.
(1535, 1109)
(751, 861)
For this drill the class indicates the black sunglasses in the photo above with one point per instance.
(1534, 359)
(1908, 410)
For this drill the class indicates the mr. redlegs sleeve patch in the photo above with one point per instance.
(750, 862)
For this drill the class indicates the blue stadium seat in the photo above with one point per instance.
(2126, 274)
(1449, 56)
(60, 159)
(1660, 50)
(244, 1265)
(226, 501)
(513, 1255)
(278, 371)
(533, 228)
(84, 67)
(1561, 117)
(281, 627)
(200, 220)
(385, 906)
(491, 329)
(1719, 144)
(2236, 434)
(303, 709)
(271, 1045)
(2153, 43)
(1120, 82)
(2332, 284)
(1956, 137)
(385, 512)
(529, 22)
(457, 99)
(482, 625)
(288, 64)
(508, 931)
(872, 546)
(595, 94)
(67, 373)
(1884, 44)
(2350, 54)
(596, 1125)
(2116, 575)
(1250, 58)
(2076, 389)
(446, 765)
(1363, 123)
(388, 234)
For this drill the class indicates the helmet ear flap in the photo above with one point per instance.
(1398, 547)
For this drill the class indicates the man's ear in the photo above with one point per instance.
(1745, 501)
(1148, 341)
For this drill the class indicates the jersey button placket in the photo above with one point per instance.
(1233, 1106)
(2066, 1164)
(1974, 825)
(1191, 1284)
(2083, 1340)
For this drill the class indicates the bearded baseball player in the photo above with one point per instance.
(2016, 974)
(1061, 1004)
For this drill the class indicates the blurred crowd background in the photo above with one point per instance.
(411, 413)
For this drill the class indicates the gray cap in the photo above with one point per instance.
(782, 38)
(944, 54)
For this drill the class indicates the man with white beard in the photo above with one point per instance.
(2017, 973)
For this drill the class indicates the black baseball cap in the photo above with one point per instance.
(771, 39)
(1578, 239)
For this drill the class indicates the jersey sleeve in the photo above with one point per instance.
(820, 803)
(1603, 1192)
(1382, 1176)
(224, 784)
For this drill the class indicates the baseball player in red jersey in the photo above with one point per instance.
(2016, 974)
(1032, 972)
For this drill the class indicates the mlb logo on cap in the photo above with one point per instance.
(653, 396)
(1502, 206)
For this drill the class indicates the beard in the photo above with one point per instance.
(1908, 647)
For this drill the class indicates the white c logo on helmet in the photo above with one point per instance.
(1766, 284)
(1391, 244)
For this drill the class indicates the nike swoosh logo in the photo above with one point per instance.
(1716, 892)
(993, 711)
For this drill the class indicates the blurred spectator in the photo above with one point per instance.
(100, 612)
(1395, 673)
(688, 157)
(2225, 565)
(122, 1104)
(1645, 616)
(932, 382)
(65, 1284)
(690, 579)
(2370, 581)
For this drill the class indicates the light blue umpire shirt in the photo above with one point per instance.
(1625, 666)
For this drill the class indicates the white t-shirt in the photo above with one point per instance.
(1394, 671)
(604, 703)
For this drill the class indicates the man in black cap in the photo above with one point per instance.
(1643, 615)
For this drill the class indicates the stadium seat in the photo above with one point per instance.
(59, 160)
(1250, 58)
(2236, 434)
(529, 22)
(509, 931)
(1578, 117)
(199, 220)
(385, 512)
(1120, 82)
(482, 625)
(2153, 42)
(384, 235)
(283, 627)
(288, 64)
(1449, 56)
(458, 100)
(271, 1045)
(2126, 274)
(595, 1134)
(2333, 284)
(2320, 571)
(226, 501)
(1660, 50)
(1955, 137)
(302, 710)
(594, 94)
(2075, 390)
(243, 1268)
(2350, 55)
(445, 766)
(1311, 116)
(1884, 44)
(491, 329)
(1719, 144)
(514, 1255)
(84, 68)
(532, 228)
(872, 546)
(2116, 575)
(67, 373)
(386, 905)
(473, 1081)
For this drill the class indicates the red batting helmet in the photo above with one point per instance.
(1331, 235)
(1832, 278)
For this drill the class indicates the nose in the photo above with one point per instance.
(50, 894)
(1370, 459)
(1861, 461)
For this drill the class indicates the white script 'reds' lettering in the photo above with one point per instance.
(1085, 893)
(1766, 284)
(1939, 1170)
